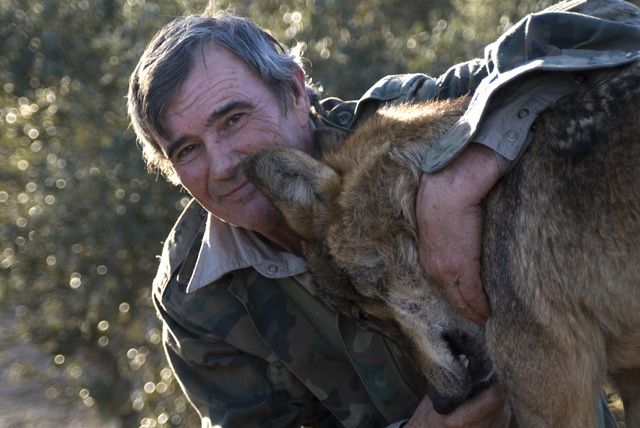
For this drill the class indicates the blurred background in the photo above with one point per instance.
(81, 221)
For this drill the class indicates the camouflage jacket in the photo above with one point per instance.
(253, 351)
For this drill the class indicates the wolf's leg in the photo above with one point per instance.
(628, 384)
(552, 377)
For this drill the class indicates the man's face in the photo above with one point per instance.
(219, 115)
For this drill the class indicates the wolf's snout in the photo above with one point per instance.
(443, 405)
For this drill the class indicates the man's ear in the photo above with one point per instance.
(299, 97)
(298, 185)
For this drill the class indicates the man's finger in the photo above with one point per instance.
(475, 298)
(488, 405)
(456, 299)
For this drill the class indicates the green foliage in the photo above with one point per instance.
(349, 45)
(81, 222)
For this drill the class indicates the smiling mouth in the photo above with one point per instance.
(234, 190)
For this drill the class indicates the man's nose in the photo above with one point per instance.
(222, 163)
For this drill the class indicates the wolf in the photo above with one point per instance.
(560, 251)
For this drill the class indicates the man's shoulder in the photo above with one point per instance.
(181, 246)
(204, 311)
(401, 87)
(391, 88)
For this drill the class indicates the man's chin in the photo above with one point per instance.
(259, 215)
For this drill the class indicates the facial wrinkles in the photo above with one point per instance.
(197, 102)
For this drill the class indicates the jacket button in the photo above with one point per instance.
(344, 117)
(523, 113)
(511, 134)
(272, 268)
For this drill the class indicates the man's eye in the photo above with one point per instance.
(185, 153)
(234, 119)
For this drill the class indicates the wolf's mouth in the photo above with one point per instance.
(471, 356)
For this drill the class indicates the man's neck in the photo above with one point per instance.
(283, 237)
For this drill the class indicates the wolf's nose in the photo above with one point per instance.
(442, 405)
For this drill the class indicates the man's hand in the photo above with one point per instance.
(487, 409)
(450, 227)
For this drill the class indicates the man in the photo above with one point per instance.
(244, 332)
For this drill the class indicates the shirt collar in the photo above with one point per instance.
(226, 248)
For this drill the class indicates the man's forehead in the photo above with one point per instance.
(216, 69)
(212, 56)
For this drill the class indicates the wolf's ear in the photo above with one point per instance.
(298, 185)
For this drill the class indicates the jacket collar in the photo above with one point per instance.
(226, 248)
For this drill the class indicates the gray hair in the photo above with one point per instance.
(170, 56)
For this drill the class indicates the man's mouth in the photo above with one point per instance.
(234, 190)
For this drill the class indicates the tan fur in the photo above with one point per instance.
(561, 251)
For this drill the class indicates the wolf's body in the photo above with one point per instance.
(561, 251)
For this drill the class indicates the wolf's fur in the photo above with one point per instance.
(561, 251)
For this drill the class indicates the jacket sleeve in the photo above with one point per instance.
(231, 387)
(460, 79)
